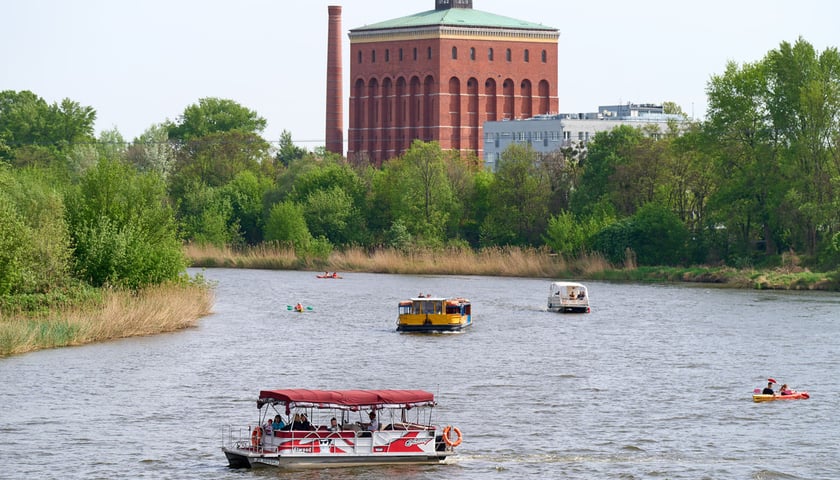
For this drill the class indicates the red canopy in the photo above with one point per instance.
(347, 399)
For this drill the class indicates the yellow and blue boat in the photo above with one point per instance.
(434, 314)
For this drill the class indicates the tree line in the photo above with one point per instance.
(753, 182)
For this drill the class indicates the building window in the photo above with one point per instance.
(544, 56)
(401, 54)
(373, 56)
(490, 54)
(472, 53)
(527, 56)
(387, 55)
(429, 53)
(360, 56)
(454, 53)
(507, 54)
(415, 54)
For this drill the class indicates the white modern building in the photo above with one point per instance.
(551, 133)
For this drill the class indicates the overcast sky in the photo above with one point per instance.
(138, 63)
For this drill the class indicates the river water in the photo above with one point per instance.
(654, 383)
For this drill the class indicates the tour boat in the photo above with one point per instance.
(405, 433)
(434, 314)
(766, 397)
(568, 297)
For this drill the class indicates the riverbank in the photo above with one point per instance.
(105, 315)
(507, 262)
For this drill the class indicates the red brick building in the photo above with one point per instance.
(439, 75)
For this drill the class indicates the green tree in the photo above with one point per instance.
(606, 153)
(206, 216)
(123, 230)
(802, 102)
(286, 225)
(519, 200)
(750, 184)
(287, 151)
(215, 115)
(33, 132)
(417, 190)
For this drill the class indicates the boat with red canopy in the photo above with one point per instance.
(347, 428)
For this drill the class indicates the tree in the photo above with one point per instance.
(518, 202)
(287, 151)
(286, 225)
(215, 115)
(416, 189)
(152, 151)
(34, 132)
(123, 229)
(605, 155)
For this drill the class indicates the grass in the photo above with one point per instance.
(510, 262)
(112, 314)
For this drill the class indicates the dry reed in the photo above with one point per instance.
(120, 314)
(496, 261)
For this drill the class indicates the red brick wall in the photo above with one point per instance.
(450, 98)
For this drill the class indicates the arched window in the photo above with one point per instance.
(507, 54)
(454, 53)
(544, 56)
(490, 54)
(527, 56)
(472, 53)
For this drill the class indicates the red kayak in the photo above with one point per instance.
(332, 275)
(760, 397)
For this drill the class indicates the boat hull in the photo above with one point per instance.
(245, 459)
(431, 327)
(759, 397)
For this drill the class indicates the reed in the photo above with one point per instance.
(117, 314)
(495, 261)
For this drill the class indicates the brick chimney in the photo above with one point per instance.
(335, 96)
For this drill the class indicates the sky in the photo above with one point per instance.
(140, 63)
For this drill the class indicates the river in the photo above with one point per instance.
(654, 383)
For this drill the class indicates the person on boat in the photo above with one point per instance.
(298, 308)
(374, 423)
(784, 390)
(278, 422)
(335, 275)
(768, 390)
(581, 295)
(268, 428)
(334, 426)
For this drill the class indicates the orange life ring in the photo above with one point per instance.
(256, 436)
(449, 441)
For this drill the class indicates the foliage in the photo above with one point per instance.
(212, 116)
(286, 225)
(518, 201)
(122, 229)
(33, 132)
(34, 241)
(287, 151)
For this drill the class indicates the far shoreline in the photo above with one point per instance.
(508, 262)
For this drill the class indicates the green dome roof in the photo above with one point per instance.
(454, 17)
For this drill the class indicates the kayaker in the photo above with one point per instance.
(768, 390)
(784, 390)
